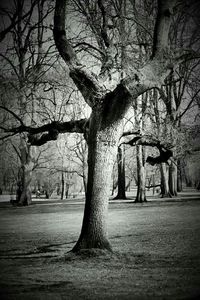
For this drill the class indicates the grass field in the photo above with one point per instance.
(156, 252)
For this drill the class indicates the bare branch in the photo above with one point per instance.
(17, 151)
(89, 46)
(12, 113)
(15, 21)
(7, 136)
(189, 104)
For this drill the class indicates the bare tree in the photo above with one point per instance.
(109, 105)
(31, 71)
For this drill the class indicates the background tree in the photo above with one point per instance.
(121, 178)
(23, 58)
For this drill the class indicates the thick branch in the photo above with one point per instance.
(152, 186)
(140, 139)
(162, 26)
(165, 155)
(151, 75)
(104, 24)
(145, 140)
(83, 79)
(41, 139)
(131, 132)
(40, 135)
(64, 47)
(54, 129)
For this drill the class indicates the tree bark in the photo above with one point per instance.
(102, 151)
(85, 176)
(23, 196)
(164, 181)
(173, 179)
(63, 186)
(141, 175)
(121, 194)
(179, 176)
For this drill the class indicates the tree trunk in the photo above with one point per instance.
(102, 151)
(121, 183)
(113, 187)
(197, 185)
(188, 181)
(63, 186)
(23, 196)
(153, 183)
(128, 185)
(173, 179)
(85, 177)
(179, 176)
(141, 175)
(164, 181)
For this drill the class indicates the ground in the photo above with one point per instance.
(156, 252)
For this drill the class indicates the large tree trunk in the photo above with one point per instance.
(173, 179)
(23, 196)
(121, 183)
(141, 175)
(164, 181)
(186, 175)
(102, 151)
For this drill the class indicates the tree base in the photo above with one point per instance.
(93, 252)
(118, 197)
(17, 203)
(140, 200)
(173, 194)
(167, 195)
(88, 245)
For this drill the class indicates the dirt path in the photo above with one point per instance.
(156, 253)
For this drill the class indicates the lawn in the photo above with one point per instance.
(156, 252)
